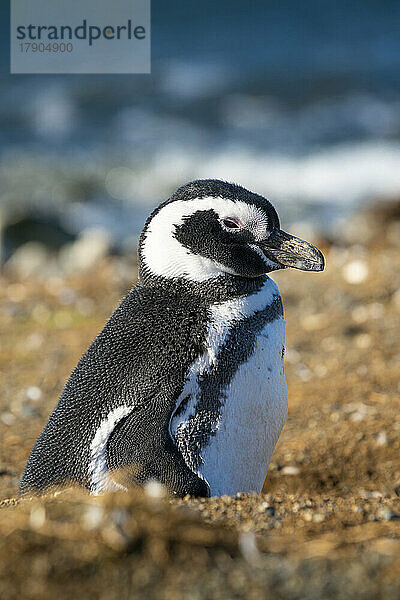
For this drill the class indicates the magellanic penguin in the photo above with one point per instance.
(185, 384)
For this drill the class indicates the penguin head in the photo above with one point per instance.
(209, 228)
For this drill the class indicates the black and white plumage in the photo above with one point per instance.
(185, 383)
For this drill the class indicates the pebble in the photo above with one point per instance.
(28, 260)
(290, 470)
(362, 370)
(293, 356)
(266, 508)
(37, 517)
(83, 254)
(313, 322)
(34, 341)
(381, 438)
(363, 341)
(155, 490)
(33, 393)
(93, 517)
(357, 509)
(320, 370)
(27, 411)
(248, 546)
(365, 312)
(85, 306)
(318, 518)
(370, 494)
(355, 272)
(358, 416)
(7, 418)
(388, 514)
(303, 372)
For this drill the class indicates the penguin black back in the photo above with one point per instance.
(124, 366)
(209, 245)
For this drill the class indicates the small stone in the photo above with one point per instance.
(362, 370)
(388, 514)
(248, 546)
(292, 356)
(381, 438)
(376, 310)
(155, 490)
(93, 517)
(34, 341)
(360, 314)
(275, 466)
(363, 340)
(7, 418)
(28, 260)
(33, 393)
(290, 470)
(27, 411)
(370, 494)
(320, 370)
(312, 322)
(85, 306)
(308, 515)
(303, 372)
(37, 517)
(83, 254)
(355, 272)
(267, 508)
(357, 416)
(119, 516)
(318, 518)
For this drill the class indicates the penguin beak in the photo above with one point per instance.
(290, 251)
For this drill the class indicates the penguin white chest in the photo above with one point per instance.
(234, 402)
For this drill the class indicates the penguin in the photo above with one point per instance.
(185, 384)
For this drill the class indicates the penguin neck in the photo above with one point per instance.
(216, 289)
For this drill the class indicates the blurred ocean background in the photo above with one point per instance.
(298, 101)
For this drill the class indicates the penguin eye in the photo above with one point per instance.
(232, 223)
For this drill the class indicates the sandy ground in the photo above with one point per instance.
(328, 523)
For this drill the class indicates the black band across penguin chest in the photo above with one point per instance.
(208, 384)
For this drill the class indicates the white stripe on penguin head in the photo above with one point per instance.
(165, 256)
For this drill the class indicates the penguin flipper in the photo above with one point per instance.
(138, 452)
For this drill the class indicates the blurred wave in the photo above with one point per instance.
(297, 102)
